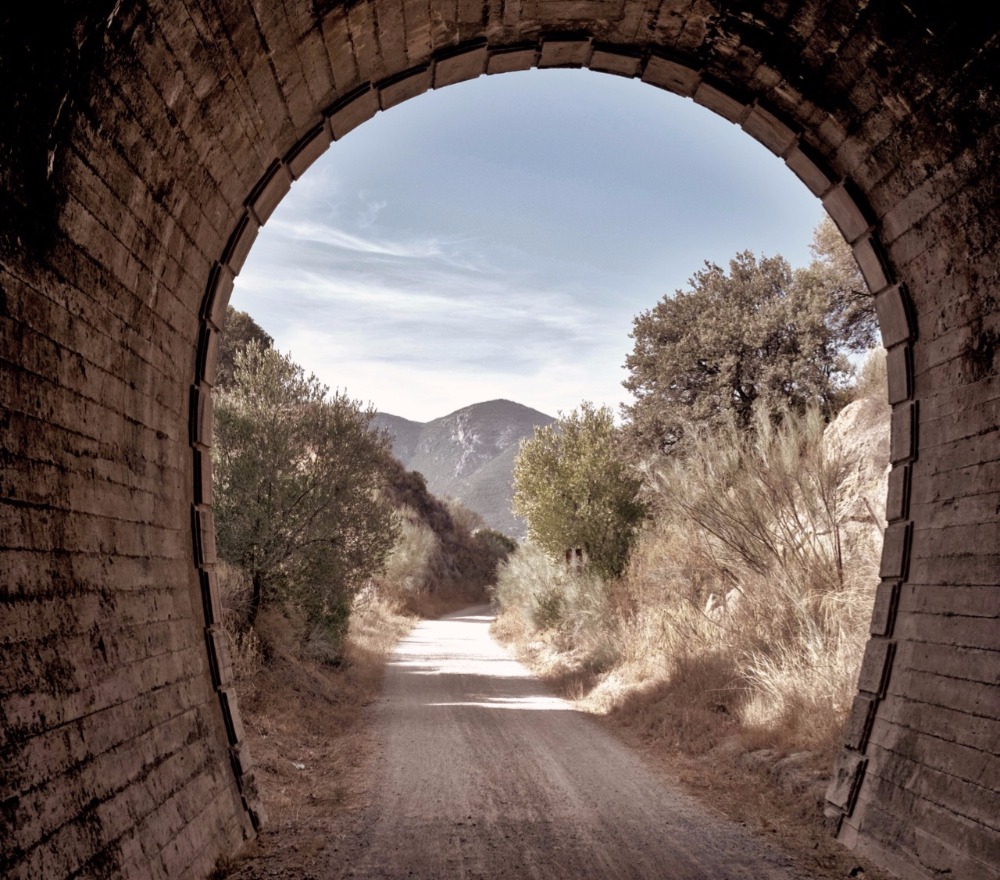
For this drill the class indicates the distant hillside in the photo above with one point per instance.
(404, 433)
(469, 455)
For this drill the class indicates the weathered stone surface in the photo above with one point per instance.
(145, 142)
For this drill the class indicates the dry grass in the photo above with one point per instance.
(304, 718)
(305, 729)
(738, 628)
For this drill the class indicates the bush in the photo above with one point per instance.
(740, 603)
(757, 578)
(873, 377)
(441, 556)
(537, 595)
(575, 489)
(299, 500)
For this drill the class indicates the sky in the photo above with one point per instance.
(497, 238)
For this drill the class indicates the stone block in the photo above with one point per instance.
(269, 192)
(512, 58)
(202, 477)
(571, 10)
(845, 211)
(809, 170)
(200, 419)
(867, 254)
(460, 65)
(204, 536)
(309, 148)
(211, 596)
(337, 39)
(894, 312)
(231, 715)
(667, 74)
(884, 612)
(859, 722)
(208, 355)
(846, 782)
(720, 102)
(346, 115)
(979, 601)
(897, 496)
(899, 373)
(401, 88)
(608, 60)
(764, 126)
(218, 656)
(903, 437)
(240, 242)
(220, 289)
(895, 550)
(558, 52)
(875, 666)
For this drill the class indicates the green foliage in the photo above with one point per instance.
(240, 331)
(299, 480)
(575, 490)
(759, 335)
(834, 272)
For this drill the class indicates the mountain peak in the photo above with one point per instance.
(469, 454)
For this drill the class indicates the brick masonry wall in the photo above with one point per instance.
(150, 160)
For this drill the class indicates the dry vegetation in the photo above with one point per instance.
(732, 642)
(303, 694)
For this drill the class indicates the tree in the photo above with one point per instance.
(575, 490)
(240, 331)
(759, 335)
(298, 488)
(834, 271)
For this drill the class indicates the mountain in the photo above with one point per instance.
(469, 455)
(405, 434)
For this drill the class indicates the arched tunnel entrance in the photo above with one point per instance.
(148, 144)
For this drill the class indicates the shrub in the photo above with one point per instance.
(299, 479)
(873, 377)
(747, 567)
(538, 595)
(440, 557)
(575, 489)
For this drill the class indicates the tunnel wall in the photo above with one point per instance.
(140, 167)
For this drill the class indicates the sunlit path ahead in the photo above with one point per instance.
(486, 774)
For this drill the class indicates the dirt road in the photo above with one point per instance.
(483, 773)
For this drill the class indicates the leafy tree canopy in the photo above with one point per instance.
(240, 330)
(299, 479)
(834, 271)
(760, 335)
(575, 490)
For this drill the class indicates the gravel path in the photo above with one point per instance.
(485, 774)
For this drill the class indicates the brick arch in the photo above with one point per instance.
(185, 132)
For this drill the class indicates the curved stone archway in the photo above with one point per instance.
(150, 140)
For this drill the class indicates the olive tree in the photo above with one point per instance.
(299, 476)
(575, 490)
(755, 335)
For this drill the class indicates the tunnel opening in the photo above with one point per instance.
(287, 280)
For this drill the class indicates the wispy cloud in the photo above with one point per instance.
(369, 213)
(331, 236)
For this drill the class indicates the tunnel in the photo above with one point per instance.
(144, 143)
